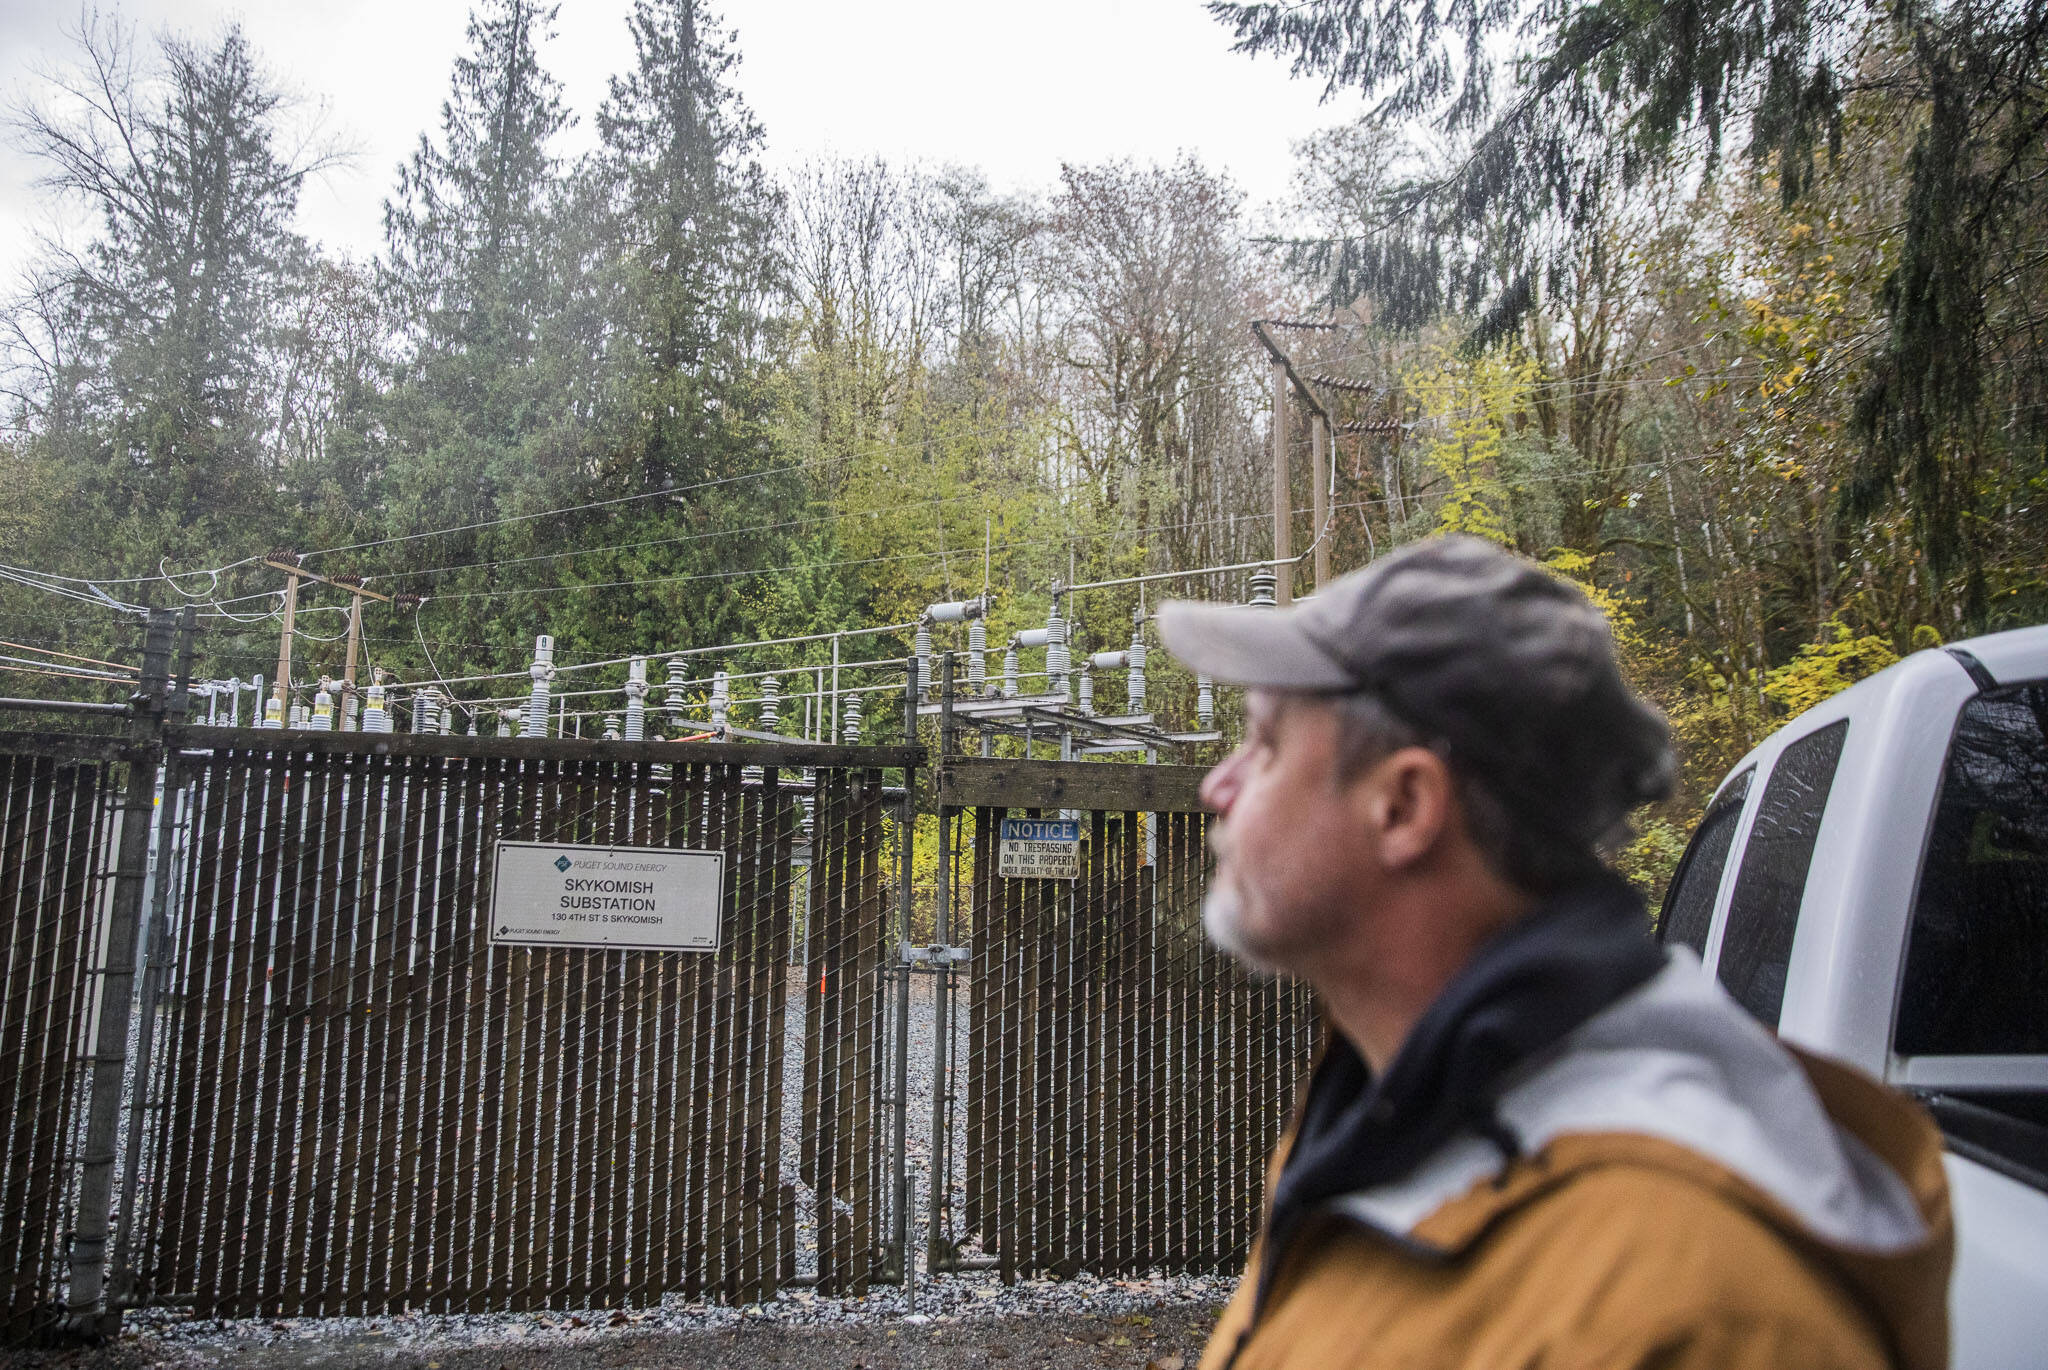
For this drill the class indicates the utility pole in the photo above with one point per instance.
(1283, 536)
(354, 585)
(285, 560)
(1283, 533)
(1319, 469)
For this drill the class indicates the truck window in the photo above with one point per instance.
(1976, 979)
(1764, 910)
(1689, 902)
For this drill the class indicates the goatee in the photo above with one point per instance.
(1223, 923)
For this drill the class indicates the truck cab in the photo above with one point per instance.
(1871, 882)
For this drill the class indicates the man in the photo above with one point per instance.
(1534, 1139)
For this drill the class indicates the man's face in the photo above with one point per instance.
(1292, 866)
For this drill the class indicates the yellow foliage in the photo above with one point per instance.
(1471, 405)
(1826, 668)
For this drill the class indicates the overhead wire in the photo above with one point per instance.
(59, 668)
(869, 449)
(170, 577)
(73, 656)
(66, 675)
(839, 516)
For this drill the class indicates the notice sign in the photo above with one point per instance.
(1040, 849)
(550, 894)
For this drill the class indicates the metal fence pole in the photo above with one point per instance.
(84, 1309)
(153, 965)
(937, 1249)
(906, 1258)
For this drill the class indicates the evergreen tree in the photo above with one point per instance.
(473, 274)
(679, 214)
(154, 384)
(1605, 93)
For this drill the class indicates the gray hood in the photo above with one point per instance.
(1679, 1061)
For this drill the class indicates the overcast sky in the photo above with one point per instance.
(1014, 87)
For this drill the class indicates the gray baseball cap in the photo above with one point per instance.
(1510, 669)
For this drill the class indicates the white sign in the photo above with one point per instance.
(552, 894)
(1040, 849)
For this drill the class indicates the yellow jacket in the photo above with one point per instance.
(1689, 1194)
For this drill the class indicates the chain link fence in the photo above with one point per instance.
(361, 1102)
(332, 1091)
(1124, 1081)
(56, 825)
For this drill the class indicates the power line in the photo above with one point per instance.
(42, 580)
(66, 675)
(870, 449)
(661, 542)
(52, 668)
(52, 651)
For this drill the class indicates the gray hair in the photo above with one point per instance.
(1517, 847)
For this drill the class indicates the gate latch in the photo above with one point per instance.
(935, 954)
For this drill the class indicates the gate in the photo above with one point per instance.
(361, 1104)
(1124, 1081)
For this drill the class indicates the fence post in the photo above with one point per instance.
(906, 1257)
(85, 1310)
(153, 964)
(938, 1247)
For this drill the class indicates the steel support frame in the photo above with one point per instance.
(87, 1309)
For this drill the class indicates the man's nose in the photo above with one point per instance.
(1220, 785)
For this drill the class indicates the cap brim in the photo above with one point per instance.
(1242, 645)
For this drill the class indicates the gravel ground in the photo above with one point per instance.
(1151, 1335)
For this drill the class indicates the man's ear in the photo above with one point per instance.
(1407, 803)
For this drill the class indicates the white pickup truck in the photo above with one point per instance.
(1872, 882)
